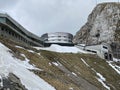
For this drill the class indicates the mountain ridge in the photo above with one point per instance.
(101, 25)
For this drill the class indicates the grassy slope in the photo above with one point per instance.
(56, 77)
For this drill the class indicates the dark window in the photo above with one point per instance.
(2, 28)
(52, 40)
(9, 32)
(46, 40)
(59, 36)
(92, 51)
(106, 55)
(88, 50)
(105, 47)
(110, 57)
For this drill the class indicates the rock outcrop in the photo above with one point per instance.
(11, 83)
(103, 25)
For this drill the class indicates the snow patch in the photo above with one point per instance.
(31, 51)
(84, 62)
(101, 79)
(116, 60)
(71, 88)
(50, 64)
(39, 54)
(74, 73)
(56, 64)
(62, 49)
(102, 82)
(23, 55)
(19, 47)
(8, 64)
(24, 48)
(115, 67)
(26, 64)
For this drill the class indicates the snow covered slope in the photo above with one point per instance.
(9, 64)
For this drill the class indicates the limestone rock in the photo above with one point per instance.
(103, 25)
(11, 83)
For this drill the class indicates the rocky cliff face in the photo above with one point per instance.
(11, 83)
(103, 25)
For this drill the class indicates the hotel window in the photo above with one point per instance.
(105, 47)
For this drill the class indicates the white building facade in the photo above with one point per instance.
(103, 50)
(58, 38)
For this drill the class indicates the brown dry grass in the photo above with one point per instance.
(57, 78)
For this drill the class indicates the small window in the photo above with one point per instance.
(110, 57)
(59, 36)
(106, 56)
(105, 47)
(88, 50)
(45, 40)
(94, 51)
(2, 28)
(59, 39)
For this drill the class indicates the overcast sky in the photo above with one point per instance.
(42, 16)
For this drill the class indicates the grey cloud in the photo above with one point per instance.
(41, 16)
(5, 4)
